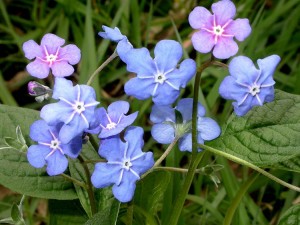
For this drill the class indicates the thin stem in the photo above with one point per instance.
(77, 182)
(245, 163)
(106, 62)
(89, 185)
(238, 198)
(129, 213)
(175, 169)
(94, 161)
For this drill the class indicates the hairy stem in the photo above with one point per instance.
(90, 189)
(106, 62)
(75, 181)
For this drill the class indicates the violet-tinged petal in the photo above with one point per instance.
(32, 50)
(73, 148)
(225, 48)
(57, 163)
(134, 137)
(185, 107)
(140, 62)
(143, 163)
(165, 95)
(208, 128)
(117, 109)
(125, 191)
(240, 28)
(39, 131)
(185, 142)
(229, 89)
(203, 41)
(105, 133)
(62, 69)
(38, 69)
(167, 54)
(224, 10)
(105, 175)
(110, 148)
(54, 112)
(139, 88)
(161, 113)
(64, 88)
(163, 133)
(123, 47)
(52, 42)
(199, 17)
(70, 53)
(113, 34)
(267, 68)
(36, 155)
(266, 95)
(241, 110)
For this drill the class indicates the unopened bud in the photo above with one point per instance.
(41, 92)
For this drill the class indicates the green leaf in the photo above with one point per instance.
(291, 216)
(267, 135)
(13, 143)
(15, 171)
(15, 213)
(108, 216)
(292, 164)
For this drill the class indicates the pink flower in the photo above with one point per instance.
(218, 30)
(50, 54)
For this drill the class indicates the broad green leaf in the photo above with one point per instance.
(15, 171)
(66, 213)
(267, 135)
(292, 164)
(291, 216)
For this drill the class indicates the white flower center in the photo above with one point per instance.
(254, 90)
(79, 107)
(51, 58)
(111, 125)
(160, 78)
(54, 144)
(218, 30)
(127, 164)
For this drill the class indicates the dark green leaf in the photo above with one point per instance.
(266, 135)
(15, 213)
(291, 216)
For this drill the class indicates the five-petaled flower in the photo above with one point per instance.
(218, 30)
(125, 163)
(50, 150)
(114, 120)
(166, 127)
(76, 108)
(50, 55)
(158, 77)
(247, 85)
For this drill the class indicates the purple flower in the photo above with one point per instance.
(114, 120)
(50, 55)
(158, 77)
(247, 85)
(76, 108)
(218, 30)
(166, 128)
(50, 150)
(125, 163)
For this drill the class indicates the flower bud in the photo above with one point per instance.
(41, 92)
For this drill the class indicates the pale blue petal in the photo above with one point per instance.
(105, 175)
(116, 109)
(113, 34)
(200, 17)
(105, 133)
(185, 142)
(64, 88)
(36, 155)
(56, 112)
(208, 128)
(39, 131)
(73, 148)
(57, 163)
(229, 89)
(143, 163)
(112, 148)
(266, 95)
(165, 94)
(161, 113)
(167, 54)
(163, 133)
(224, 10)
(134, 138)
(267, 68)
(125, 191)
(185, 107)
(241, 110)
(123, 48)
(139, 88)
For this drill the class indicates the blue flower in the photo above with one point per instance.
(247, 85)
(114, 34)
(76, 108)
(50, 150)
(114, 120)
(158, 77)
(166, 128)
(125, 164)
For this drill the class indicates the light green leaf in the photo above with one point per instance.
(291, 216)
(267, 135)
(15, 213)
(15, 171)
(13, 143)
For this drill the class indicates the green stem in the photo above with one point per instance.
(238, 198)
(110, 58)
(94, 161)
(77, 182)
(245, 163)
(90, 189)
(175, 169)
(129, 213)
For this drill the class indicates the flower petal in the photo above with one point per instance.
(73, 148)
(105, 175)
(185, 107)
(56, 112)
(32, 50)
(70, 53)
(62, 69)
(64, 88)
(38, 69)
(165, 94)
(125, 191)
(224, 10)
(242, 109)
(267, 67)
(225, 48)
(140, 62)
(143, 163)
(139, 88)
(240, 28)
(39, 131)
(111, 147)
(185, 142)
(203, 41)
(167, 54)
(113, 34)
(134, 137)
(123, 48)
(229, 89)
(57, 163)
(52, 43)
(208, 128)
(116, 109)
(36, 155)
(163, 133)
(200, 17)
(161, 113)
